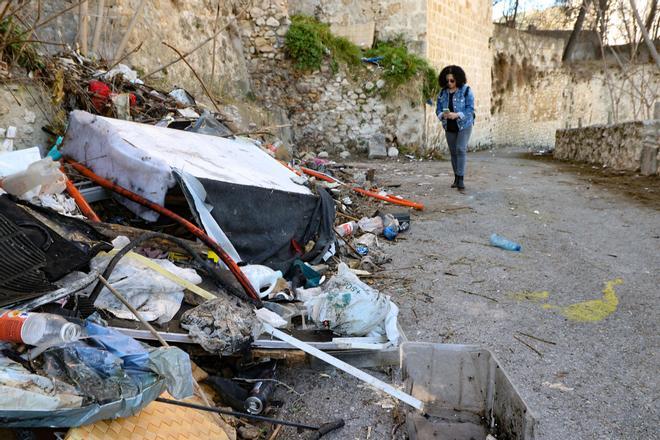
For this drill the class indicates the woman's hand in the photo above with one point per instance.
(451, 115)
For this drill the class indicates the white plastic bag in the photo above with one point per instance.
(373, 225)
(153, 295)
(348, 306)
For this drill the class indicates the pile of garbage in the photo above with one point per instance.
(153, 241)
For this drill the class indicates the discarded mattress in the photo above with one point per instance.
(258, 203)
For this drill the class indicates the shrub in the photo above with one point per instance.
(400, 66)
(304, 45)
(308, 40)
(14, 49)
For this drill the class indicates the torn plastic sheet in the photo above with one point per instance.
(196, 196)
(22, 390)
(152, 294)
(63, 418)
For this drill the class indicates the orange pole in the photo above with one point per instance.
(318, 175)
(197, 232)
(80, 200)
(390, 199)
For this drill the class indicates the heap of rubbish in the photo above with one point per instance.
(154, 254)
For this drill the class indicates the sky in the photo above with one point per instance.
(524, 5)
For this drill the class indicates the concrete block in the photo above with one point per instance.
(377, 146)
(649, 161)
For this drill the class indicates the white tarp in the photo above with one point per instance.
(140, 157)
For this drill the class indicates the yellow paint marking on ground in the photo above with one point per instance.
(597, 309)
(530, 296)
(587, 311)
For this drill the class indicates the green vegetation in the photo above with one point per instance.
(309, 41)
(400, 66)
(14, 48)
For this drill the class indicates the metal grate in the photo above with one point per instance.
(21, 264)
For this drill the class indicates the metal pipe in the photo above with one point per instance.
(238, 414)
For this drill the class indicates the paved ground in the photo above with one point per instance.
(582, 233)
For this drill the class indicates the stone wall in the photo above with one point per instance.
(26, 107)
(534, 94)
(330, 111)
(183, 24)
(629, 146)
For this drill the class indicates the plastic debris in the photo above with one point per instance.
(503, 243)
(262, 278)
(350, 307)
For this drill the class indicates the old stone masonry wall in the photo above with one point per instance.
(334, 111)
(630, 146)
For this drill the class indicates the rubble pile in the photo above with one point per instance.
(152, 222)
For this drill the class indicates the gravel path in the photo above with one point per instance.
(586, 236)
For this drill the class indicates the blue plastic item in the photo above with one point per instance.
(391, 232)
(54, 152)
(134, 354)
(313, 277)
(504, 243)
(362, 249)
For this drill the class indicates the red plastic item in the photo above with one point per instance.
(197, 232)
(100, 94)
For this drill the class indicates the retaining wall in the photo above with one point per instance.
(629, 146)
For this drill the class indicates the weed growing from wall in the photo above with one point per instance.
(309, 42)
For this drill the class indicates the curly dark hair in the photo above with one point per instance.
(459, 76)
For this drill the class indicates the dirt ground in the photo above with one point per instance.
(596, 376)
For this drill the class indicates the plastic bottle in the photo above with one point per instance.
(505, 244)
(346, 229)
(37, 328)
(44, 173)
(263, 278)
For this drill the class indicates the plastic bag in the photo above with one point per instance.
(22, 390)
(373, 225)
(153, 295)
(348, 306)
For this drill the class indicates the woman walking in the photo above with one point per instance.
(455, 109)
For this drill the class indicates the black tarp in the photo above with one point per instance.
(261, 223)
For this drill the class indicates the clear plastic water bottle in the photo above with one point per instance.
(37, 328)
(504, 243)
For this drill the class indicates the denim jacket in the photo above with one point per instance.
(463, 105)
